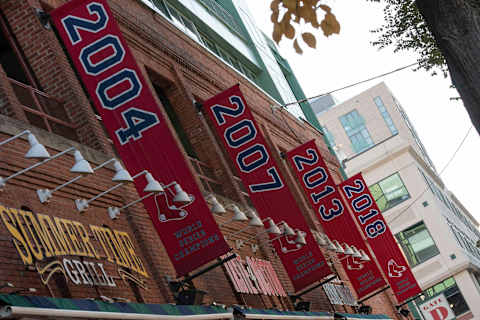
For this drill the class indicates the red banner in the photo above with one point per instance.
(317, 183)
(246, 146)
(135, 123)
(380, 238)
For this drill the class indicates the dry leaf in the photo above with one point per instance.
(289, 30)
(274, 16)
(307, 13)
(309, 39)
(330, 25)
(277, 33)
(297, 47)
(325, 8)
(274, 5)
(290, 4)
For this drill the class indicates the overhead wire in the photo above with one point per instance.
(351, 85)
(336, 90)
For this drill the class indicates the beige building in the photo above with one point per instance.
(371, 133)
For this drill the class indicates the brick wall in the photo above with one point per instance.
(186, 71)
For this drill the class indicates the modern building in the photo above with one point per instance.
(372, 134)
(95, 263)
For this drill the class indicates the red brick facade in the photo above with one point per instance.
(184, 71)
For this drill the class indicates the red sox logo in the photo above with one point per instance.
(354, 263)
(394, 270)
(167, 208)
(290, 243)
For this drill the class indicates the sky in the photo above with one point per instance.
(343, 59)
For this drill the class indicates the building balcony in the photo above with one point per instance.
(37, 108)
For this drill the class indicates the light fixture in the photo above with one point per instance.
(121, 175)
(347, 250)
(272, 227)
(217, 207)
(82, 168)
(356, 253)
(239, 215)
(81, 165)
(31, 290)
(300, 238)
(254, 219)
(36, 151)
(287, 230)
(254, 222)
(7, 285)
(321, 240)
(365, 256)
(339, 248)
(180, 195)
(330, 245)
(153, 186)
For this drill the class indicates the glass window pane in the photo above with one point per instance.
(161, 6)
(392, 190)
(418, 246)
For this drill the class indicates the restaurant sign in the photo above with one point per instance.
(254, 276)
(57, 245)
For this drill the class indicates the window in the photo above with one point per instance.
(160, 5)
(354, 126)
(450, 289)
(385, 115)
(209, 43)
(389, 192)
(217, 9)
(41, 109)
(172, 115)
(11, 56)
(183, 23)
(417, 244)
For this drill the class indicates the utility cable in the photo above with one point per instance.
(444, 168)
(335, 90)
(351, 85)
(456, 151)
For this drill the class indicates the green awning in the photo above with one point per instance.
(279, 314)
(361, 316)
(14, 306)
(302, 315)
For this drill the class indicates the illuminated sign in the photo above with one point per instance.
(53, 244)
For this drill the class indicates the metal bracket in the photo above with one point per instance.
(44, 18)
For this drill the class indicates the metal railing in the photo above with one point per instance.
(43, 110)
